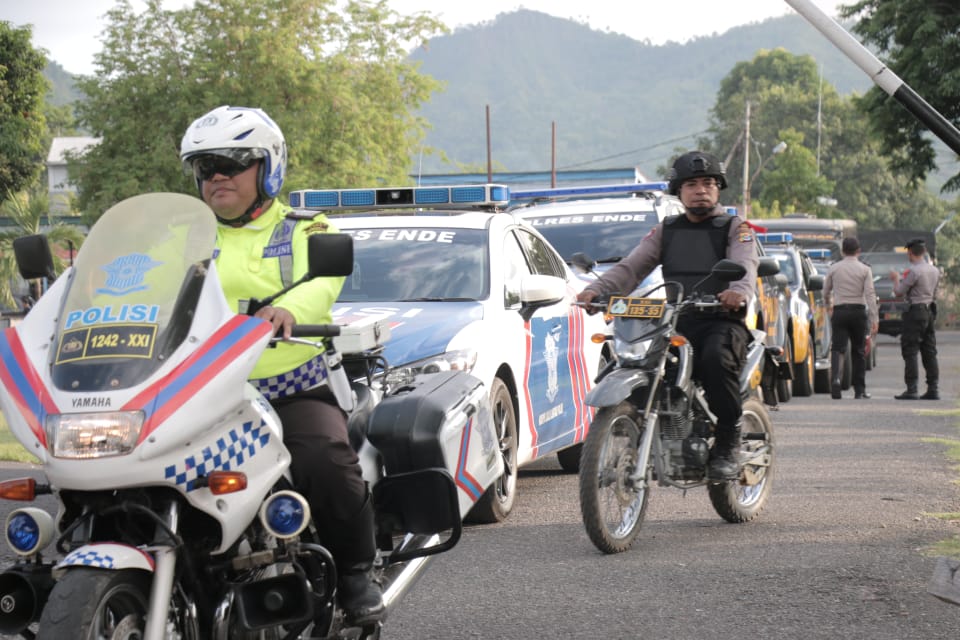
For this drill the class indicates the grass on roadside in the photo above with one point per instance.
(10, 448)
(951, 546)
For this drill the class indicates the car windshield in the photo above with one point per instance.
(605, 237)
(787, 267)
(419, 263)
(882, 263)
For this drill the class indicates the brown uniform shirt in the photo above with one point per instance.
(919, 283)
(850, 281)
(624, 276)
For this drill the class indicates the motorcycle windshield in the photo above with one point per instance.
(135, 286)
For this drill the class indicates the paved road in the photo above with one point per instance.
(838, 553)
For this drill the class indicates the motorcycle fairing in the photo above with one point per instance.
(108, 555)
(201, 414)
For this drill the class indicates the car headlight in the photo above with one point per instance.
(457, 360)
(93, 435)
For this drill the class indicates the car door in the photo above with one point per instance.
(556, 377)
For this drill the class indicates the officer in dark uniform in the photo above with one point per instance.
(919, 287)
(852, 304)
(687, 246)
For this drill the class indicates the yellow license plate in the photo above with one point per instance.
(636, 307)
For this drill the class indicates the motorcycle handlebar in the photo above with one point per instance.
(315, 331)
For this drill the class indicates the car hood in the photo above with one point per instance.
(417, 329)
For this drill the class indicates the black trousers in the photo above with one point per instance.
(919, 337)
(326, 470)
(849, 324)
(720, 350)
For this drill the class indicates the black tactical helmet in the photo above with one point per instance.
(695, 164)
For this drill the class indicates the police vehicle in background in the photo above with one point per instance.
(466, 285)
(808, 323)
(603, 222)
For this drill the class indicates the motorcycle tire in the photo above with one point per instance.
(611, 504)
(87, 604)
(743, 499)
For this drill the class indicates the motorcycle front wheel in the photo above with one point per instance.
(89, 604)
(743, 499)
(614, 483)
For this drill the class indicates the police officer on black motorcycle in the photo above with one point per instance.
(687, 246)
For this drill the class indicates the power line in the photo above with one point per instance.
(633, 151)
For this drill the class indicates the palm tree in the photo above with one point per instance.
(27, 210)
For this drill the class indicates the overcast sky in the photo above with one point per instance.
(69, 30)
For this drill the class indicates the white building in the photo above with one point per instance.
(58, 182)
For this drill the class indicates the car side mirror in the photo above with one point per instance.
(815, 283)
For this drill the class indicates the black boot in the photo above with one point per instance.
(836, 372)
(723, 458)
(354, 551)
(932, 393)
(909, 394)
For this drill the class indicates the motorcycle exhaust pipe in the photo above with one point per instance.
(23, 594)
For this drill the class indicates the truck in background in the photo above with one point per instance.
(811, 232)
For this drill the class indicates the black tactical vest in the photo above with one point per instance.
(689, 250)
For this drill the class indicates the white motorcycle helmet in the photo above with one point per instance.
(241, 134)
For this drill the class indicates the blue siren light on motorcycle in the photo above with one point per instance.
(285, 514)
(29, 530)
(93, 435)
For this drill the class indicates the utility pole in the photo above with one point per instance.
(745, 201)
(489, 158)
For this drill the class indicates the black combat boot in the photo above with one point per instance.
(836, 372)
(932, 393)
(723, 458)
(354, 551)
(910, 393)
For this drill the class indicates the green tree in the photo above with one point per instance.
(335, 80)
(22, 126)
(917, 40)
(831, 151)
(28, 210)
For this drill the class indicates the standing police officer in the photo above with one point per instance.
(687, 246)
(852, 305)
(919, 287)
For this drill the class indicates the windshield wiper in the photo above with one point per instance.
(437, 300)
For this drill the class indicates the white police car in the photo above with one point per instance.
(604, 222)
(466, 285)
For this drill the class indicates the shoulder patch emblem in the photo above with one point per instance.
(745, 236)
(317, 227)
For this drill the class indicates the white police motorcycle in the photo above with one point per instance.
(176, 514)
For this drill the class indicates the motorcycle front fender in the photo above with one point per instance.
(616, 386)
(107, 555)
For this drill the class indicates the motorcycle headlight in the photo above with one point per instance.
(93, 435)
(457, 360)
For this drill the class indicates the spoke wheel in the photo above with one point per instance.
(614, 483)
(743, 499)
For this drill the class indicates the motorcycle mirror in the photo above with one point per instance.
(728, 271)
(330, 254)
(768, 266)
(33, 256)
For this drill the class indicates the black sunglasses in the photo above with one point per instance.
(205, 167)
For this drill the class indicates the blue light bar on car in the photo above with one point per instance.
(782, 237)
(593, 191)
(457, 196)
(819, 254)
